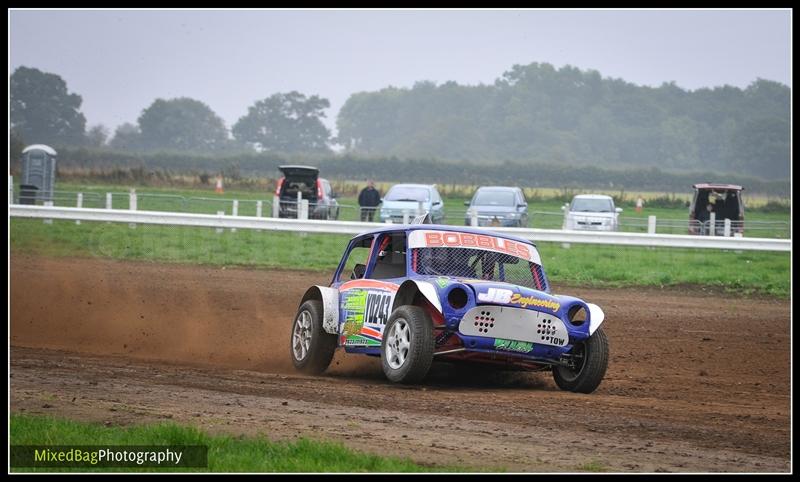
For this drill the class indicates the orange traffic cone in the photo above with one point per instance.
(219, 189)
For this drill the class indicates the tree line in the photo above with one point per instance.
(532, 115)
(44, 111)
(538, 113)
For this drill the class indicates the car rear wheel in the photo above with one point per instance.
(312, 347)
(407, 345)
(588, 363)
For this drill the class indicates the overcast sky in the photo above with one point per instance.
(120, 61)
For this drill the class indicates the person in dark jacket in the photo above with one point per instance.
(369, 199)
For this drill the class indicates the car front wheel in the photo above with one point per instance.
(407, 345)
(587, 365)
(312, 347)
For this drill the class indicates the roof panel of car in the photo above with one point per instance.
(413, 185)
(298, 169)
(593, 196)
(711, 185)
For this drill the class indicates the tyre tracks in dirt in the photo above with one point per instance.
(696, 381)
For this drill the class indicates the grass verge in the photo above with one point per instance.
(747, 272)
(225, 453)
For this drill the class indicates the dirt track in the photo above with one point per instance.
(696, 382)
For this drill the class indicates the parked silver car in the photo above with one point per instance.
(409, 199)
(593, 212)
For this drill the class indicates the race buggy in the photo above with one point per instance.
(417, 293)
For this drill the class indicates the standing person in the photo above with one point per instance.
(639, 204)
(368, 199)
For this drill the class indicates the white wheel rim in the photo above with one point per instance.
(398, 342)
(301, 337)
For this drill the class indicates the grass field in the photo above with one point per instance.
(590, 265)
(751, 272)
(225, 453)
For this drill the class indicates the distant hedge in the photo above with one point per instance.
(392, 169)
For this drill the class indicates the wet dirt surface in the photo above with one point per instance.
(696, 382)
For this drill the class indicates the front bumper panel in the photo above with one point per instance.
(515, 324)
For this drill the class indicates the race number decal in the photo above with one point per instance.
(365, 312)
(377, 306)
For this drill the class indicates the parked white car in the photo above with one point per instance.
(591, 212)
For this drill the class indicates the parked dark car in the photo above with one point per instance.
(498, 206)
(724, 200)
(316, 190)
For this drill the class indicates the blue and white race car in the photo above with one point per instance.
(417, 293)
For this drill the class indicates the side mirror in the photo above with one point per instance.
(467, 203)
(522, 205)
(334, 195)
(564, 207)
(619, 210)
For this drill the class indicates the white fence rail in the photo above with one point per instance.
(354, 227)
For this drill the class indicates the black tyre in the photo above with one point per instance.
(407, 345)
(591, 361)
(311, 346)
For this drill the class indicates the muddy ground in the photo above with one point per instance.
(696, 381)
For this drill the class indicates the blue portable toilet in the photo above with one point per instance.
(38, 174)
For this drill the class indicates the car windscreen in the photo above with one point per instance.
(592, 205)
(494, 198)
(407, 193)
(478, 265)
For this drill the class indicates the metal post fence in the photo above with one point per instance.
(353, 227)
(299, 201)
(235, 211)
(79, 204)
